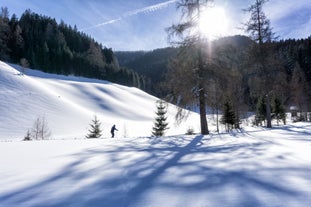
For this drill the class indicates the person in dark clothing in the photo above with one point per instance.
(113, 128)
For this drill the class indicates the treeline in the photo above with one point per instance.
(296, 53)
(41, 43)
(151, 64)
(230, 76)
(235, 84)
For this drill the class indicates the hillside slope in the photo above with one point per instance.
(69, 104)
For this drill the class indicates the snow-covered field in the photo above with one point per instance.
(253, 167)
(256, 167)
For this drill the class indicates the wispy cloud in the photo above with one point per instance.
(290, 19)
(147, 9)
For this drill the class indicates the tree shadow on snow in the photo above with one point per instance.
(130, 172)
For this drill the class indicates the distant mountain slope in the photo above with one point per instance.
(69, 103)
(154, 64)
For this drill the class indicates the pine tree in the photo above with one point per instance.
(27, 136)
(299, 91)
(160, 124)
(16, 40)
(279, 111)
(260, 111)
(259, 30)
(228, 117)
(4, 33)
(95, 131)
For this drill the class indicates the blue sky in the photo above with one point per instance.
(140, 24)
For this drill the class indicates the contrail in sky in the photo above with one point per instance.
(147, 9)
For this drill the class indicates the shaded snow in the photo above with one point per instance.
(253, 167)
(256, 167)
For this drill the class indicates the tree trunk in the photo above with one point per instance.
(268, 111)
(202, 100)
(203, 120)
(217, 121)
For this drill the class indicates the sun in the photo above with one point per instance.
(213, 23)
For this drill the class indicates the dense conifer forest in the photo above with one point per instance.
(154, 64)
(151, 64)
(39, 42)
(231, 64)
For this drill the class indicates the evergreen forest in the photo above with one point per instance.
(231, 76)
(39, 42)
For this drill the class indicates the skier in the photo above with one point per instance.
(113, 128)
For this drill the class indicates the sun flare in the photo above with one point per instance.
(213, 23)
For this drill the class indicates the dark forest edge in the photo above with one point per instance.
(39, 42)
(230, 76)
(154, 64)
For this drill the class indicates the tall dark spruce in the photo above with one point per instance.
(160, 123)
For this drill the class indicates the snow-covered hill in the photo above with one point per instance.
(69, 104)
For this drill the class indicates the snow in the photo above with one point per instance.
(256, 167)
(69, 103)
(251, 167)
